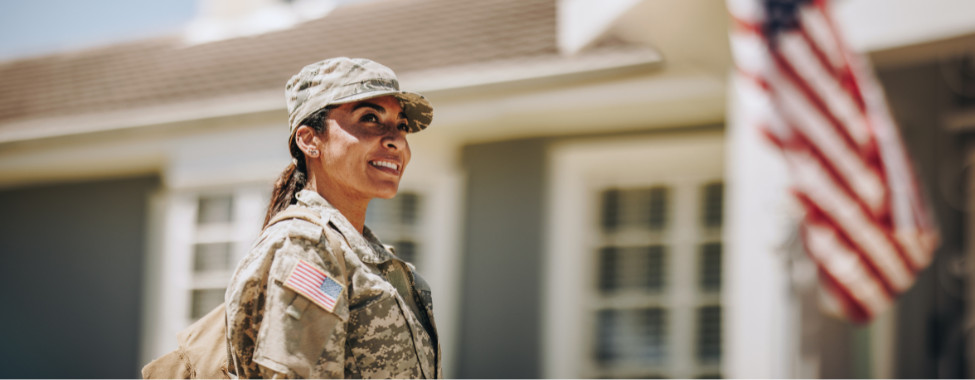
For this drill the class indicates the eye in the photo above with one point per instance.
(403, 127)
(369, 118)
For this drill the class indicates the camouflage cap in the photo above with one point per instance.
(343, 80)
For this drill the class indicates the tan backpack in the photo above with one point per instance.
(203, 351)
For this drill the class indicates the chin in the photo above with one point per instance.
(386, 192)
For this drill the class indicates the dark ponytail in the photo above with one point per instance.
(295, 176)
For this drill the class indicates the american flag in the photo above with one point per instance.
(865, 225)
(314, 284)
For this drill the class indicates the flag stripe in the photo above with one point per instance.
(312, 282)
(785, 67)
(847, 269)
(826, 88)
(799, 143)
(824, 24)
(813, 99)
(873, 269)
(852, 222)
(800, 146)
(819, 55)
(885, 278)
(832, 288)
(311, 293)
(862, 180)
(816, 29)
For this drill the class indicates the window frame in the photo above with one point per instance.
(579, 171)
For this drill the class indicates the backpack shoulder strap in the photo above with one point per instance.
(334, 238)
(335, 241)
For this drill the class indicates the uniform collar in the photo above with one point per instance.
(366, 245)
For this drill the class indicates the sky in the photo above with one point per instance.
(37, 27)
(34, 27)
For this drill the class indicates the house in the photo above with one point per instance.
(567, 205)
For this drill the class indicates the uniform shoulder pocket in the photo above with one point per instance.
(299, 334)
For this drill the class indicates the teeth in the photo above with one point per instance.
(385, 164)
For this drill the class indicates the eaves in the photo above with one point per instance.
(509, 74)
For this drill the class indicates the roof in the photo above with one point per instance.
(405, 35)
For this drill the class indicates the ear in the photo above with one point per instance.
(308, 141)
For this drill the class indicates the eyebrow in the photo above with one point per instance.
(374, 106)
(378, 108)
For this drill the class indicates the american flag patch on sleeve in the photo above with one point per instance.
(314, 284)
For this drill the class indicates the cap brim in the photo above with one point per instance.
(418, 109)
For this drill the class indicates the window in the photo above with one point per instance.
(215, 209)
(712, 215)
(709, 268)
(635, 333)
(632, 269)
(214, 255)
(632, 337)
(633, 257)
(405, 250)
(205, 300)
(709, 334)
(635, 208)
(227, 223)
(396, 222)
(632, 321)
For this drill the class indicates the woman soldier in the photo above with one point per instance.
(319, 296)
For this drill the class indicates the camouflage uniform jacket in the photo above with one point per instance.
(373, 330)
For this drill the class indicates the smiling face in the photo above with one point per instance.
(364, 152)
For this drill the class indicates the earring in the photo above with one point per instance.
(313, 152)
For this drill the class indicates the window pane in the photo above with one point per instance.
(632, 268)
(394, 220)
(409, 203)
(608, 262)
(215, 209)
(642, 208)
(406, 251)
(713, 200)
(376, 212)
(636, 337)
(657, 208)
(205, 300)
(610, 204)
(710, 267)
(632, 208)
(709, 334)
(212, 257)
(655, 265)
(400, 210)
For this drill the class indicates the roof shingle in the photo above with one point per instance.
(404, 35)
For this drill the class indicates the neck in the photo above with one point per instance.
(352, 208)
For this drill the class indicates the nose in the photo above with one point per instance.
(395, 140)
